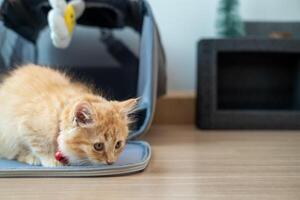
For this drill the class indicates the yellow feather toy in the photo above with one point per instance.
(62, 20)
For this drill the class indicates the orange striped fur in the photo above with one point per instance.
(42, 111)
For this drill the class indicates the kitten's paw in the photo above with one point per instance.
(51, 162)
(29, 159)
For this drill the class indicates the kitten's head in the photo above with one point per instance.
(94, 130)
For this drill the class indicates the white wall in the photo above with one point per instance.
(183, 22)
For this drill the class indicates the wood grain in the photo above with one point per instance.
(188, 164)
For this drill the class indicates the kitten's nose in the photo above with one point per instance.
(109, 162)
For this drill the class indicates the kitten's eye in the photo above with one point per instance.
(118, 145)
(98, 146)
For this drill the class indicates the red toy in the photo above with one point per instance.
(59, 157)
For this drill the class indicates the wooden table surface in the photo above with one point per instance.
(188, 164)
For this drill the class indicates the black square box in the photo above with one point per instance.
(248, 84)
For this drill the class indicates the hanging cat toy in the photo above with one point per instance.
(62, 20)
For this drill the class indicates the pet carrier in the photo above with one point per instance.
(116, 46)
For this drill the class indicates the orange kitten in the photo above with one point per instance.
(43, 111)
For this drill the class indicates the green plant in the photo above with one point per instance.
(229, 22)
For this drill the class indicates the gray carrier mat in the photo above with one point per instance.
(134, 158)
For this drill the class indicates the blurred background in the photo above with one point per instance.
(184, 22)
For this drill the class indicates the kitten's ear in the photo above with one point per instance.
(128, 106)
(83, 115)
